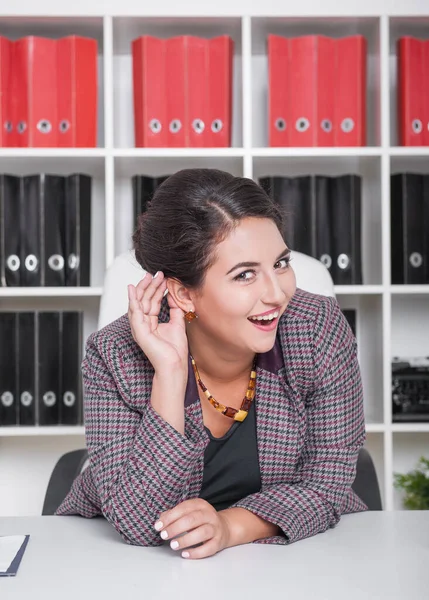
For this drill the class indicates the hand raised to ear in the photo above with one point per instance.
(165, 344)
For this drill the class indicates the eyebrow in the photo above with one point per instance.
(256, 264)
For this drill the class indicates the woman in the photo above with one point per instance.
(181, 448)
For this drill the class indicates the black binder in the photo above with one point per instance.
(409, 228)
(48, 367)
(78, 229)
(295, 196)
(31, 238)
(10, 239)
(52, 189)
(346, 229)
(324, 248)
(8, 372)
(27, 368)
(144, 188)
(71, 325)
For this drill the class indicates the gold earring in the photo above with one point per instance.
(190, 316)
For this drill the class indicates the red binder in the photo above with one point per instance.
(6, 119)
(220, 80)
(412, 81)
(303, 91)
(35, 72)
(350, 92)
(77, 92)
(176, 96)
(196, 126)
(150, 92)
(326, 90)
(279, 123)
(426, 94)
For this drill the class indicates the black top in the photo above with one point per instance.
(231, 464)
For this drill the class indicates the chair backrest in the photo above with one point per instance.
(71, 464)
(311, 275)
(65, 471)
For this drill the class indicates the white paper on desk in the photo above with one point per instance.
(9, 548)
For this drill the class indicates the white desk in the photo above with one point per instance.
(372, 555)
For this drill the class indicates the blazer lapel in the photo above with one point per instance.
(279, 420)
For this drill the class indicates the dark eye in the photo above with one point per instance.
(244, 276)
(283, 263)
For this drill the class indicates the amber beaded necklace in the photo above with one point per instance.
(234, 413)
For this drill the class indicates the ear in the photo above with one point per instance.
(181, 295)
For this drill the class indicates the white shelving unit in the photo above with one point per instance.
(392, 320)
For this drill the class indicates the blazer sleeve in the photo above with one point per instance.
(139, 464)
(321, 491)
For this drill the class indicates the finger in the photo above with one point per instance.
(136, 316)
(183, 508)
(158, 296)
(197, 536)
(209, 548)
(149, 293)
(185, 524)
(142, 285)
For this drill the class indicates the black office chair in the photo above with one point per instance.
(70, 465)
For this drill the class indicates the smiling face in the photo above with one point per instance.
(250, 279)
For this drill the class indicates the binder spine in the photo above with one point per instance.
(78, 229)
(32, 258)
(10, 240)
(48, 368)
(8, 369)
(52, 229)
(27, 368)
(70, 407)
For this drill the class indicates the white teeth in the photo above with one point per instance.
(273, 315)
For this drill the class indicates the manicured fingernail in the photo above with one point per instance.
(164, 535)
(174, 545)
(185, 554)
(156, 274)
(158, 525)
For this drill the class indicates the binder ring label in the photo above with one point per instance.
(217, 125)
(343, 261)
(198, 125)
(31, 262)
(56, 262)
(69, 399)
(347, 125)
(49, 398)
(326, 125)
(73, 261)
(280, 124)
(8, 126)
(22, 126)
(302, 124)
(64, 126)
(326, 260)
(155, 125)
(416, 260)
(416, 126)
(44, 126)
(13, 262)
(26, 399)
(7, 399)
(175, 125)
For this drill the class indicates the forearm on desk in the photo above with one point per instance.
(246, 527)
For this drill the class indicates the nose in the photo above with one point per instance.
(273, 292)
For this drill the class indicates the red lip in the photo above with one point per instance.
(269, 327)
(266, 313)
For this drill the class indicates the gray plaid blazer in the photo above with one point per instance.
(310, 428)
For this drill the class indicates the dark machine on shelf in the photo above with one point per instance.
(410, 389)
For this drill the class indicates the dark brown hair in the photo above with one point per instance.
(192, 212)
